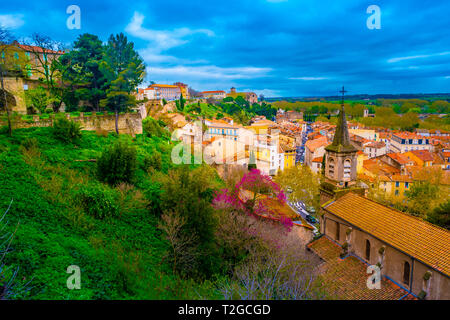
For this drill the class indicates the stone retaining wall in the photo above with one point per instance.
(129, 123)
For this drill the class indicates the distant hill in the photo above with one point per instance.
(368, 97)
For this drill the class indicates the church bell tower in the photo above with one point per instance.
(340, 162)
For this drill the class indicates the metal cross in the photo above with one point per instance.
(343, 92)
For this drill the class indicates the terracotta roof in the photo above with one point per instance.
(413, 236)
(401, 178)
(408, 135)
(164, 86)
(36, 49)
(217, 91)
(400, 158)
(318, 159)
(423, 155)
(347, 278)
(378, 167)
(376, 144)
(312, 145)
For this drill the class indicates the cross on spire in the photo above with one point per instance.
(343, 91)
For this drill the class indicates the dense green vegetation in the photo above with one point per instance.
(67, 217)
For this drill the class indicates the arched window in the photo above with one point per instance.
(331, 166)
(347, 168)
(367, 250)
(406, 272)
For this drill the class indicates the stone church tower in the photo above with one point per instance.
(340, 163)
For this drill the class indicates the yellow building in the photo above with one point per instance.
(25, 65)
(423, 158)
(184, 89)
(360, 158)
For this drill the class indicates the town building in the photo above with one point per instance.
(375, 149)
(217, 95)
(251, 97)
(409, 252)
(315, 149)
(184, 88)
(166, 91)
(33, 63)
(407, 141)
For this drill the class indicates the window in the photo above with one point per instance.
(347, 168)
(406, 185)
(331, 166)
(406, 272)
(396, 192)
(397, 184)
(367, 250)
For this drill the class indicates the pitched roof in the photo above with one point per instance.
(318, 159)
(398, 157)
(347, 278)
(36, 49)
(413, 236)
(423, 155)
(217, 91)
(312, 145)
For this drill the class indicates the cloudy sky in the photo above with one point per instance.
(274, 47)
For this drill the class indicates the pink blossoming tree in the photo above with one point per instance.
(249, 195)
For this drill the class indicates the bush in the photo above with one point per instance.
(154, 161)
(30, 143)
(154, 128)
(98, 201)
(66, 130)
(117, 163)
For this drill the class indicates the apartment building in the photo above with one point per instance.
(405, 141)
(166, 91)
(375, 149)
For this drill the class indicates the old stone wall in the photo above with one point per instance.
(129, 123)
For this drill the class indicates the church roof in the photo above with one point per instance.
(413, 236)
(341, 141)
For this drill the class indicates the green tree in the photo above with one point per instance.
(189, 194)
(45, 53)
(124, 69)
(303, 183)
(5, 37)
(441, 215)
(37, 98)
(83, 72)
(117, 163)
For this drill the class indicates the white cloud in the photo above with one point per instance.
(150, 55)
(162, 39)
(208, 72)
(308, 78)
(421, 56)
(11, 21)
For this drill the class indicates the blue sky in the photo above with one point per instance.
(274, 47)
